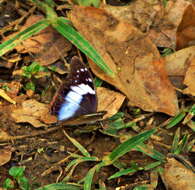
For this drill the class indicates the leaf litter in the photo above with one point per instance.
(48, 46)
(140, 72)
(127, 38)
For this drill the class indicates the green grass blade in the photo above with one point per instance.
(183, 144)
(191, 125)
(88, 3)
(134, 169)
(150, 152)
(59, 186)
(152, 165)
(175, 143)
(190, 145)
(142, 187)
(89, 177)
(174, 121)
(97, 82)
(190, 115)
(80, 160)
(123, 172)
(74, 164)
(47, 8)
(72, 35)
(192, 110)
(117, 116)
(78, 145)
(25, 34)
(127, 146)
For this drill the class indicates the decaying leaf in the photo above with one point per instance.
(151, 17)
(177, 64)
(140, 73)
(33, 112)
(176, 176)
(48, 46)
(5, 155)
(189, 80)
(186, 29)
(109, 101)
(164, 33)
(137, 13)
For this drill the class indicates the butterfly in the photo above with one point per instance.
(76, 99)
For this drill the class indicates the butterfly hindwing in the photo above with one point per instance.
(77, 96)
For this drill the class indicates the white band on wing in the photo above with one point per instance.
(83, 89)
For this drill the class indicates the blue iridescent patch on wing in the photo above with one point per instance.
(77, 95)
(70, 105)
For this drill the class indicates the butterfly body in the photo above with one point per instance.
(77, 95)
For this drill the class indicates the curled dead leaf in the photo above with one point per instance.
(109, 101)
(186, 29)
(140, 74)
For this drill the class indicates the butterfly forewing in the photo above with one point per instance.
(77, 94)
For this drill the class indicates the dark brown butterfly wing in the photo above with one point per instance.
(77, 95)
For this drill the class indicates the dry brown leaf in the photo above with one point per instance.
(177, 65)
(140, 13)
(189, 80)
(163, 33)
(5, 155)
(176, 176)
(186, 29)
(159, 22)
(33, 112)
(48, 45)
(178, 62)
(140, 74)
(109, 101)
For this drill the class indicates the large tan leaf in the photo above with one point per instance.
(140, 73)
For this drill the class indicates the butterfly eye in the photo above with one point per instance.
(77, 96)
